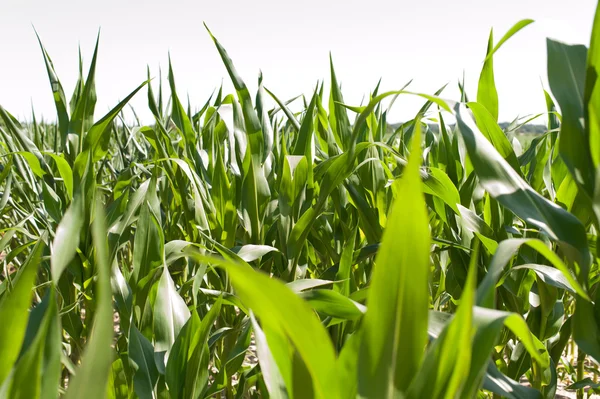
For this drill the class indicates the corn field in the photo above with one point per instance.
(237, 251)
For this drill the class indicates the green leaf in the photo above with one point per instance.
(307, 283)
(251, 252)
(180, 353)
(504, 253)
(304, 140)
(141, 354)
(197, 189)
(251, 120)
(196, 376)
(268, 133)
(64, 169)
(338, 116)
(336, 170)
(510, 33)
(272, 302)
(492, 131)
(333, 304)
(347, 366)
(37, 373)
(14, 307)
(184, 366)
(33, 163)
(438, 183)
(566, 76)
(250, 199)
(487, 95)
(123, 297)
(548, 275)
(20, 135)
(118, 387)
(586, 326)
(586, 382)
(170, 315)
(148, 245)
(592, 92)
(66, 239)
(270, 372)
(500, 384)
(345, 268)
(489, 323)
(180, 118)
(82, 117)
(52, 367)
(366, 111)
(97, 139)
(58, 94)
(445, 370)
(92, 376)
(394, 330)
(508, 188)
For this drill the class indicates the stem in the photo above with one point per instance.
(537, 376)
(292, 269)
(56, 140)
(580, 372)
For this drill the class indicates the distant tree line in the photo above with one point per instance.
(528, 128)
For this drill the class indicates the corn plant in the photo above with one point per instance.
(240, 251)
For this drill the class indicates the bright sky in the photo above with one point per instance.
(432, 42)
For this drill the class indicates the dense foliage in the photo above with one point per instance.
(352, 261)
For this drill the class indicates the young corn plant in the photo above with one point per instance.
(241, 251)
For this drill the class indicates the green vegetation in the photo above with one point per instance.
(352, 261)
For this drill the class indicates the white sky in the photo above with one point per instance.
(431, 42)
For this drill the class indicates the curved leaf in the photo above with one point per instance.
(507, 187)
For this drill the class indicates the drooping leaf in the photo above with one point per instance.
(508, 188)
(271, 301)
